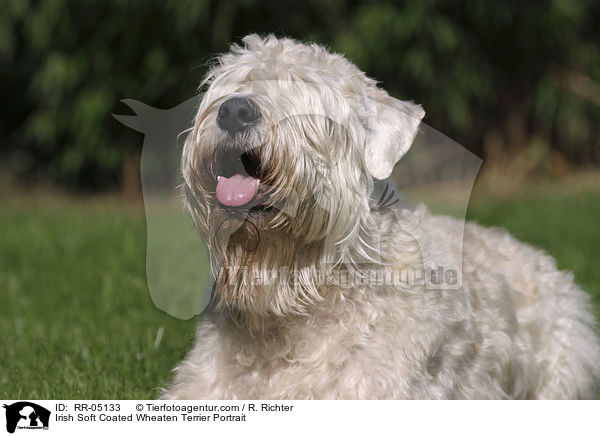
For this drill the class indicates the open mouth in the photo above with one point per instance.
(239, 182)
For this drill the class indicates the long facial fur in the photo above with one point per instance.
(321, 218)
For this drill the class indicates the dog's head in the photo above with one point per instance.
(280, 164)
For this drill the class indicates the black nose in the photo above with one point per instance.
(236, 114)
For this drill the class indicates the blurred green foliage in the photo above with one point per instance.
(489, 74)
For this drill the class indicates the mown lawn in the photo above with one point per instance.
(77, 321)
(76, 317)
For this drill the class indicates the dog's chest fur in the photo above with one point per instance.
(391, 342)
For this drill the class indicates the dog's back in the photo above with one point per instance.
(556, 327)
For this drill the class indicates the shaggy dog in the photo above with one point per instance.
(290, 141)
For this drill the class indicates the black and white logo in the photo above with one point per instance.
(26, 415)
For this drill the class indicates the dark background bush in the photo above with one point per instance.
(498, 77)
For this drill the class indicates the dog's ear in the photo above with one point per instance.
(391, 129)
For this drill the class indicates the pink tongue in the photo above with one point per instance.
(236, 190)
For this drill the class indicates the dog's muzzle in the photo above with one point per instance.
(239, 171)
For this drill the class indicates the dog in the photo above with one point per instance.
(288, 146)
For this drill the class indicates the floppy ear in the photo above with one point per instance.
(391, 129)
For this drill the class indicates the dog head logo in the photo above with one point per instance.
(290, 171)
(26, 415)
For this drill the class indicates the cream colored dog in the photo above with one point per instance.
(289, 144)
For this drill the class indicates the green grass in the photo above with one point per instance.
(76, 316)
(77, 321)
